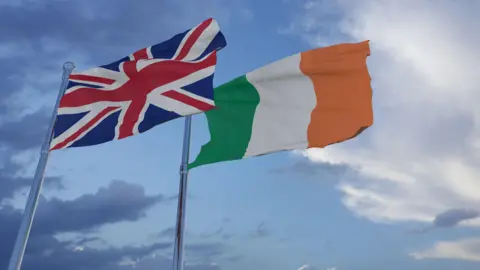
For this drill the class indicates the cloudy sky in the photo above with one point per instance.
(403, 195)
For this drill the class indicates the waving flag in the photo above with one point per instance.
(310, 99)
(132, 95)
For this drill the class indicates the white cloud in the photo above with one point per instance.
(309, 267)
(305, 267)
(467, 249)
(422, 155)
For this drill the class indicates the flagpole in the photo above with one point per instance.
(32, 201)
(182, 198)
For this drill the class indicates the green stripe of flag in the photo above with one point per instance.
(230, 123)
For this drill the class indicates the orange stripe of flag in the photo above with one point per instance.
(344, 96)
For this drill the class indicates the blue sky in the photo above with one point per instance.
(403, 195)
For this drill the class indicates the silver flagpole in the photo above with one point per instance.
(32, 201)
(182, 199)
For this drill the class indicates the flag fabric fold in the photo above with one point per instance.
(311, 99)
(138, 92)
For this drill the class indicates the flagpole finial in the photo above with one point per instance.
(68, 66)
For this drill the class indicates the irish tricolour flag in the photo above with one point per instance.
(310, 99)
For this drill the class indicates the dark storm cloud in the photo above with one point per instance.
(453, 217)
(26, 133)
(18, 135)
(449, 219)
(59, 255)
(55, 255)
(120, 201)
(11, 183)
(10, 80)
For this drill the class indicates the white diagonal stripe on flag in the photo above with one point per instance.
(77, 126)
(203, 41)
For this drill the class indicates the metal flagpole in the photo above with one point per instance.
(32, 201)
(182, 198)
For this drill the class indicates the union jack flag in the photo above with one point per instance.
(132, 95)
